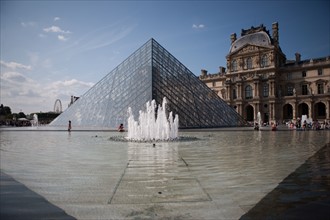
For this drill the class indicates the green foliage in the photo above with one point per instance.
(5, 110)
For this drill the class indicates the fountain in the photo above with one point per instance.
(35, 121)
(150, 127)
(259, 119)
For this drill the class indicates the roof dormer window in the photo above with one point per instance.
(249, 63)
(234, 65)
(264, 61)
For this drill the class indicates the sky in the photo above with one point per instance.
(55, 49)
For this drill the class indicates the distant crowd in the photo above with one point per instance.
(20, 123)
(307, 125)
(298, 124)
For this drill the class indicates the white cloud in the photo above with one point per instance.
(55, 29)
(30, 95)
(198, 26)
(15, 78)
(62, 38)
(14, 65)
(57, 18)
(101, 37)
(71, 83)
(28, 24)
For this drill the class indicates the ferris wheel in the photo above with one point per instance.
(58, 106)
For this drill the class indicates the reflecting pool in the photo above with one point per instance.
(220, 175)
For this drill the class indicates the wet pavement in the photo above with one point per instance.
(304, 194)
(221, 175)
(18, 202)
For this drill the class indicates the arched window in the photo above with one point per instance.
(249, 63)
(264, 61)
(234, 65)
(248, 92)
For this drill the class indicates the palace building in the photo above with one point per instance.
(259, 78)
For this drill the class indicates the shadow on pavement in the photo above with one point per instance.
(19, 202)
(304, 194)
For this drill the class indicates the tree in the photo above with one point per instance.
(21, 115)
(5, 110)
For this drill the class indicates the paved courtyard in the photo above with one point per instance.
(224, 174)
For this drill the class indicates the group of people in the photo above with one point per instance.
(298, 125)
(120, 128)
(315, 125)
(274, 126)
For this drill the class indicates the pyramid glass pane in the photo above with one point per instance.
(195, 103)
(106, 103)
(149, 73)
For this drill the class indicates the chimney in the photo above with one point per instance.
(203, 72)
(222, 69)
(298, 57)
(233, 38)
(275, 33)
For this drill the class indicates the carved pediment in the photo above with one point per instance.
(251, 49)
(248, 49)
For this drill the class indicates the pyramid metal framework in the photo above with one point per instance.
(151, 72)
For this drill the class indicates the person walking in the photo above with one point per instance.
(69, 126)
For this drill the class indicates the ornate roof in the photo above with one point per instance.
(261, 38)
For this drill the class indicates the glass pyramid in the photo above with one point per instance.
(151, 72)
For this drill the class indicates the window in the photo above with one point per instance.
(320, 89)
(213, 84)
(264, 61)
(266, 90)
(304, 90)
(234, 65)
(289, 76)
(234, 94)
(304, 73)
(249, 63)
(319, 72)
(248, 92)
(289, 90)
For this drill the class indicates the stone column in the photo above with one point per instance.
(256, 89)
(272, 88)
(239, 90)
(256, 110)
(309, 110)
(294, 113)
(327, 110)
(271, 113)
(239, 109)
(228, 90)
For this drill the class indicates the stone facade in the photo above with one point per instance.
(259, 78)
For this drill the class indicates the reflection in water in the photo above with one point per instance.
(156, 159)
(83, 170)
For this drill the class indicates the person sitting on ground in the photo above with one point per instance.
(305, 125)
(256, 126)
(274, 127)
(121, 128)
